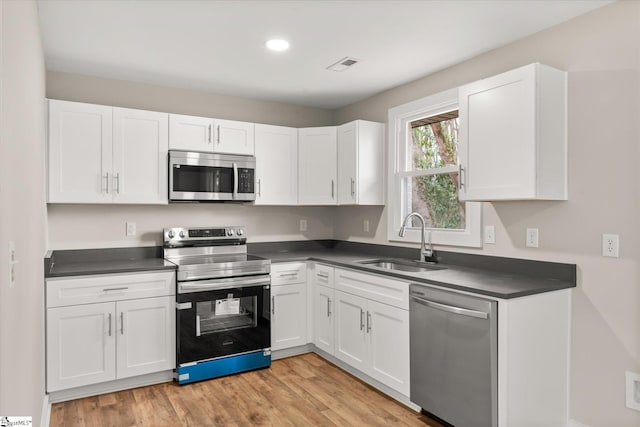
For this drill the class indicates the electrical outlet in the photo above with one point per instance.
(610, 245)
(131, 228)
(532, 238)
(12, 264)
(365, 225)
(303, 225)
(632, 388)
(490, 234)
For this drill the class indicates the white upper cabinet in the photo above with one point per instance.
(140, 145)
(80, 159)
(100, 154)
(276, 165)
(317, 166)
(234, 137)
(194, 133)
(190, 133)
(361, 173)
(513, 136)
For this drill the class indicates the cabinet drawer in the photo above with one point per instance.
(109, 287)
(287, 273)
(382, 289)
(323, 275)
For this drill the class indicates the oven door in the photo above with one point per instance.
(195, 176)
(225, 317)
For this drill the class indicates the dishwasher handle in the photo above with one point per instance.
(451, 308)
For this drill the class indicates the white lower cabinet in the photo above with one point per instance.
(323, 318)
(95, 342)
(374, 338)
(288, 305)
(289, 314)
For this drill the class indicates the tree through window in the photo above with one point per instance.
(432, 183)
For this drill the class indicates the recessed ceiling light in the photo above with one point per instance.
(278, 45)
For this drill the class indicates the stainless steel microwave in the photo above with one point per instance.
(210, 177)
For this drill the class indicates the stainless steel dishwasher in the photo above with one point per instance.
(454, 361)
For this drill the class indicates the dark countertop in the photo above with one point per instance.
(485, 275)
(498, 277)
(81, 262)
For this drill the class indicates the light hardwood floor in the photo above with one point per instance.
(298, 391)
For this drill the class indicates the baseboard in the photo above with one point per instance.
(367, 379)
(110, 386)
(45, 416)
(294, 351)
(574, 423)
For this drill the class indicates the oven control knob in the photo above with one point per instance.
(182, 234)
(230, 232)
(171, 234)
(239, 232)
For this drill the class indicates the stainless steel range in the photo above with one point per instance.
(223, 302)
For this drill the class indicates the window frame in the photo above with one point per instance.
(399, 119)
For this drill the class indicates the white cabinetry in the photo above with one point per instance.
(323, 308)
(513, 136)
(210, 135)
(109, 327)
(100, 154)
(372, 326)
(276, 165)
(361, 171)
(317, 166)
(288, 305)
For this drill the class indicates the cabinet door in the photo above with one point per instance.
(80, 157)
(146, 336)
(323, 303)
(347, 163)
(317, 166)
(140, 144)
(81, 345)
(276, 165)
(388, 329)
(350, 330)
(289, 316)
(190, 133)
(234, 137)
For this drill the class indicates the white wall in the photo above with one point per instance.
(22, 210)
(601, 51)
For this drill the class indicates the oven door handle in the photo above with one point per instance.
(218, 284)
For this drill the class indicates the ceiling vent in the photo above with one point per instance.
(343, 64)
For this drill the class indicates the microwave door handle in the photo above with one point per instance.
(235, 181)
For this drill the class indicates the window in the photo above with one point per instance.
(424, 173)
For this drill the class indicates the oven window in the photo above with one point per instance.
(226, 314)
(202, 179)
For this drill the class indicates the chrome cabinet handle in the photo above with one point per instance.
(361, 319)
(287, 274)
(353, 187)
(259, 188)
(273, 305)
(117, 183)
(368, 322)
(328, 307)
(218, 134)
(106, 179)
(109, 324)
(124, 288)
(209, 138)
(121, 323)
(332, 191)
(461, 170)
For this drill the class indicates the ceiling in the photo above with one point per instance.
(219, 46)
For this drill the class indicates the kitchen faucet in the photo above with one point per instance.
(426, 254)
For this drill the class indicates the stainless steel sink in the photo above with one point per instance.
(401, 265)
